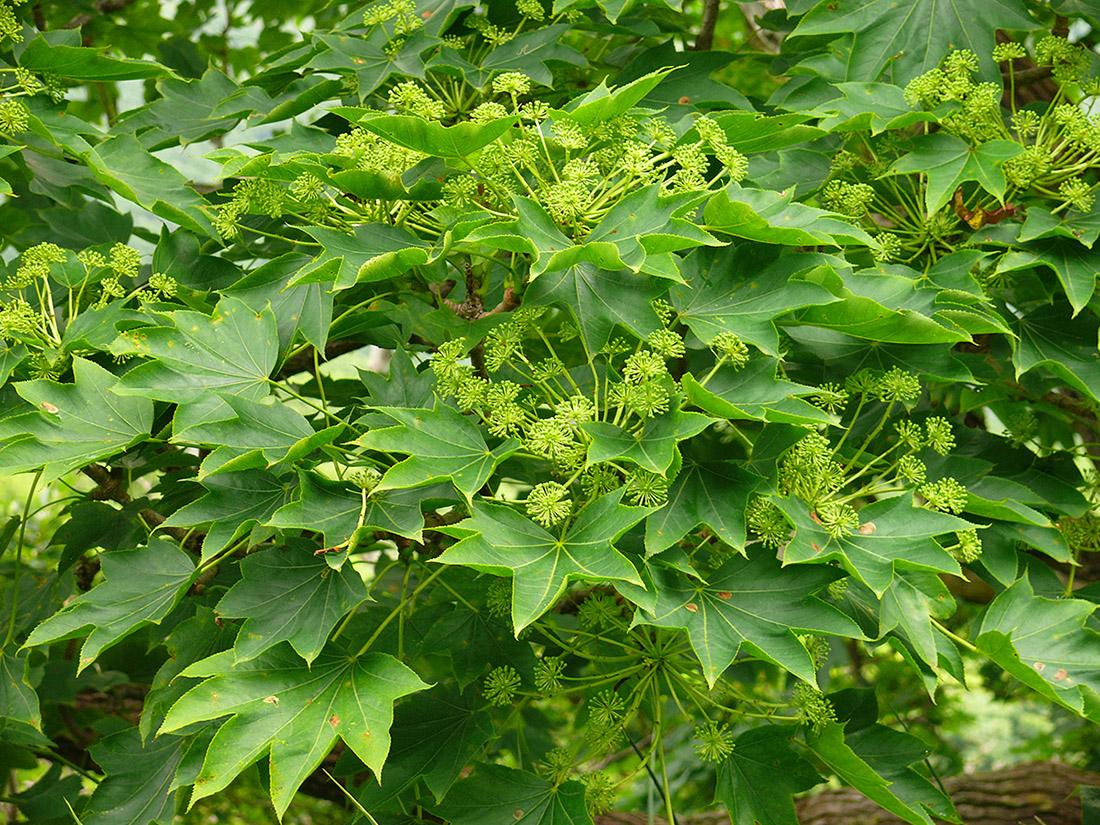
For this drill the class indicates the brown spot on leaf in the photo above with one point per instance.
(685, 100)
(692, 606)
(334, 720)
(725, 595)
(868, 528)
(271, 700)
(1039, 666)
(1061, 674)
(50, 408)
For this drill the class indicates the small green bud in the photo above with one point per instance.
(548, 673)
(946, 495)
(500, 685)
(713, 742)
(549, 503)
(646, 489)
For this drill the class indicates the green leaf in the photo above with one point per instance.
(306, 308)
(274, 432)
(1046, 644)
(1075, 265)
(707, 493)
(74, 425)
(753, 393)
(139, 784)
(475, 641)
(141, 587)
(838, 754)
(369, 59)
(289, 594)
(233, 504)
(18, 700)
(599, 299)
(1066, 346)
(892, 306)
(534, 232)
(877, 107)
(372, 252)
(435, 736)
(402, 386)
(756, 781)
(749, 132)
(1042, 223)
(643, 224)
(603, 104)
(909, 604)
(892, 533)
(441, 443)
(775, 217)
(195, 638)
(742, 290)
(81, 63)
(691, 80)
(336, 510)
(496, 539)
(532, 51)
(751, 601)
(184, 113)
(122, 163)
(949, 162)
(295, 711)
(496, 795)
(232, 351)
(652, 448)
(430, 137)
(902, 40)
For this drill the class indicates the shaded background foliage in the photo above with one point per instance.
(822, 289)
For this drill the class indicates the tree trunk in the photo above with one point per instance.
(1032, 793)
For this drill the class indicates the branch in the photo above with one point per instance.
(705, 41)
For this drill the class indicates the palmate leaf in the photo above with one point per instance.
(497, 539)
(603, 104)
(874, 106)
(234, 503)
(496, 795)
(893, 533)
(1048, 337)
(289, 594)
(531, 51)
(339, 511)
(122, 164)
(295, 711)
(750, 601)
(902, 40)
(754, 393)
(949, 162)
(74, 62)
(139, 785)
(875, 761)
(1075, 265)
(713, 494)
(652, 448)
(909, 605)
(18, 700)
(441, 444)
(141, 587)
(1046, 644)
(372, 252)
(435, 735)
(1081, 227)
(599, 299)
(775, 217)
(261, 435)
(756, 781)
(231, 351)
(74, 425)
(430, 137)
(743, 289)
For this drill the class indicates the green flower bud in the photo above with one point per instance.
(500, 685)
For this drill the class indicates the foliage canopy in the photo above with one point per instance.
(710, 421)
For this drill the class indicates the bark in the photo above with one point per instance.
(1036, 792)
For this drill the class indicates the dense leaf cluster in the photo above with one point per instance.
(675, 397)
